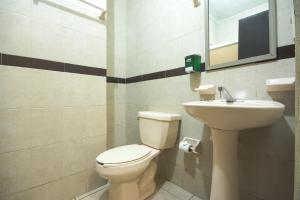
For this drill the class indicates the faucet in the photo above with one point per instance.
(227, 96)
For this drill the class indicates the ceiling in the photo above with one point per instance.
(221, 9)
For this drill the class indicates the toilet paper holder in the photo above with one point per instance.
(189, 145)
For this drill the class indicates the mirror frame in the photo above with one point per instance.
(272, 41)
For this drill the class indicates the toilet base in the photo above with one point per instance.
(123, 191)
(138, 189)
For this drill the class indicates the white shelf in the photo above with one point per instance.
(281, 84)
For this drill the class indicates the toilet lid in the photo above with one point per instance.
(123, 154)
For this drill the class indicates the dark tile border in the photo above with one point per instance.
(17, 61)
(47, 65)
(283, 52)
(35, 63)
(110, 79)
(79, 69)
(153, 76)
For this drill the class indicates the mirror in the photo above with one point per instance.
(239, 32)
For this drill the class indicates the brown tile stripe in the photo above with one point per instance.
(283, 52)
(34, 63)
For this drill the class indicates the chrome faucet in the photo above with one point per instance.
(226, 95)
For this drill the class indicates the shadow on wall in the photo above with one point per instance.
(66, 9)
(190, 171)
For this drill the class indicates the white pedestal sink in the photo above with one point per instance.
(226, 120)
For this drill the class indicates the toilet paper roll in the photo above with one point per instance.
(189, 70)
(185, 146)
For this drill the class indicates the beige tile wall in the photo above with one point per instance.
(160, 34)
(117, 63)
(52, 124)
(297, 149)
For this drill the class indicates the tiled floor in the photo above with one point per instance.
(165, 191)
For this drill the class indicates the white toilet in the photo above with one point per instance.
(131, 169)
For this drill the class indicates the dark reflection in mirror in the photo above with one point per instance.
(238, 30)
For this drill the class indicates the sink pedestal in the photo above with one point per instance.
(225, 165)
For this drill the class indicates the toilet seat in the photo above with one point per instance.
(123, 155)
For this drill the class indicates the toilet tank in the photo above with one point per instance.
(158, 130)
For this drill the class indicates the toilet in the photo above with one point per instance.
(130, 169)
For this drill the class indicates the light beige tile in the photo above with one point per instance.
(48, 191)
(74, 186)
(240, 82)
(15, 130)
(74, 90)
(162, 195)
(46, 12)
(95, 50)
(95, 90)
(248, 172)
(14, 6)
(46, 126)
(15, 172)
(195, 198)
(96, 121)
(74, 126)
(197, 181)
(94, 180)
(73, 160)
(50, 48)
(12, 42)
(46, 164)
(176, 191)
(46, 89)
(93, 147)
(170, 172)
(15, 87)
(73, 39)
(26, 195)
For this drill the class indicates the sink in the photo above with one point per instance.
(238, 115)
(226, 120)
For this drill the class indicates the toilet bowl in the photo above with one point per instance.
(130, 169)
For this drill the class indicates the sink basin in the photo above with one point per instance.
(238, 115)
(226, 120)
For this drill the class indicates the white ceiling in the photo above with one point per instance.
(221, 9)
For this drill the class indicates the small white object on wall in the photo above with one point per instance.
(189, 145)
(281, 84)
(206, 89)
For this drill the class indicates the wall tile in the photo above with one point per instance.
(96, 121)
(46, 164)
(46, 89)
(74, 185)
(48, 191)
(94, 180)
(73, 126)
(93, 147)
(73, 157)
(15, 129)
(15, 6)
(46, 126)
(15, 87)
(12, 42)
(43, 46)
(15, 172)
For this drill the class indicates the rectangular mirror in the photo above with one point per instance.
(239, 32)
